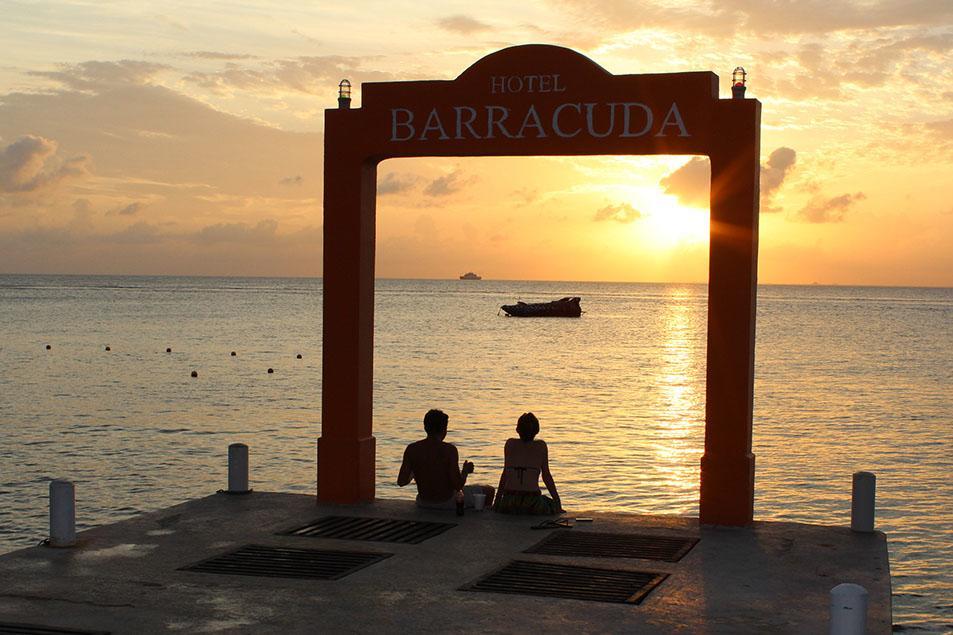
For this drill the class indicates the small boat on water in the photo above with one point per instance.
(564, 307)
(470, 276)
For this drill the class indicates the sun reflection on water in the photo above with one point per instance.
(679, 413)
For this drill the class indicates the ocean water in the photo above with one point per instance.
(847, 379)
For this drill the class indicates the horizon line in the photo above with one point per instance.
(484, 279)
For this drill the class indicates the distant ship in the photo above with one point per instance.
(470, 276)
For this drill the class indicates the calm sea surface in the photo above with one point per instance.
(847, 379)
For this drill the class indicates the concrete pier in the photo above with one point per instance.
(126, 577)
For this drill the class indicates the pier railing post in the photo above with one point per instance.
(848, 609)
(62, 513)
(862, 502)
(238, 468)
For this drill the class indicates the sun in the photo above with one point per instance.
(667, 224)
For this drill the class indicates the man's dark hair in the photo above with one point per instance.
(527, 426)
(435, 422)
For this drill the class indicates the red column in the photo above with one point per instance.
(346, 459)
(727, 467)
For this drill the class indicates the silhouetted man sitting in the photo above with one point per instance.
(434, 465)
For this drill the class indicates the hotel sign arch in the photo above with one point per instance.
(540, 100)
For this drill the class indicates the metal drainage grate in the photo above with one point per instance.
(375, 529)
(284, 562)
(10, 628)
(591, 544)
(563, 581)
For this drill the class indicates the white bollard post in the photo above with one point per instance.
(238, 468)
(62, 513)
(862, 502)
(848, 609)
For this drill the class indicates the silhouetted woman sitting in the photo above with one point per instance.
(524, 460)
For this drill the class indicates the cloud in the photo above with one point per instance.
(95, 75)
(147, 249)
(819, 16)
(237, 232)
(942, 128)
(763, 18)
(830, 210)
(82, 221)
(171, 22)
(292, 180)
(622, 213)
(869, 59)
(30, 163)
(307, 37)
(628, 15)
(78, 236)
(690, 183)
(426, 227)
(446, 185)
(189, 145)
(526, 195)
(936, 43)
(394, 183)
(78, 232)
(311, 75)
(776, 169)
(463, 24)
(137, 234)
(216, 55)
(151, 144)
(131, 209)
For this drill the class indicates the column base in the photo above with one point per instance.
(727, 490)
(346, 470)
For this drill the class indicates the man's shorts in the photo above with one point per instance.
(451, 503)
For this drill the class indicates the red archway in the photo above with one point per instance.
(541, 100)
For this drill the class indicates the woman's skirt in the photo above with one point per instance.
(531, 503)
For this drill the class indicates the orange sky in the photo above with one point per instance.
(189, 140)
